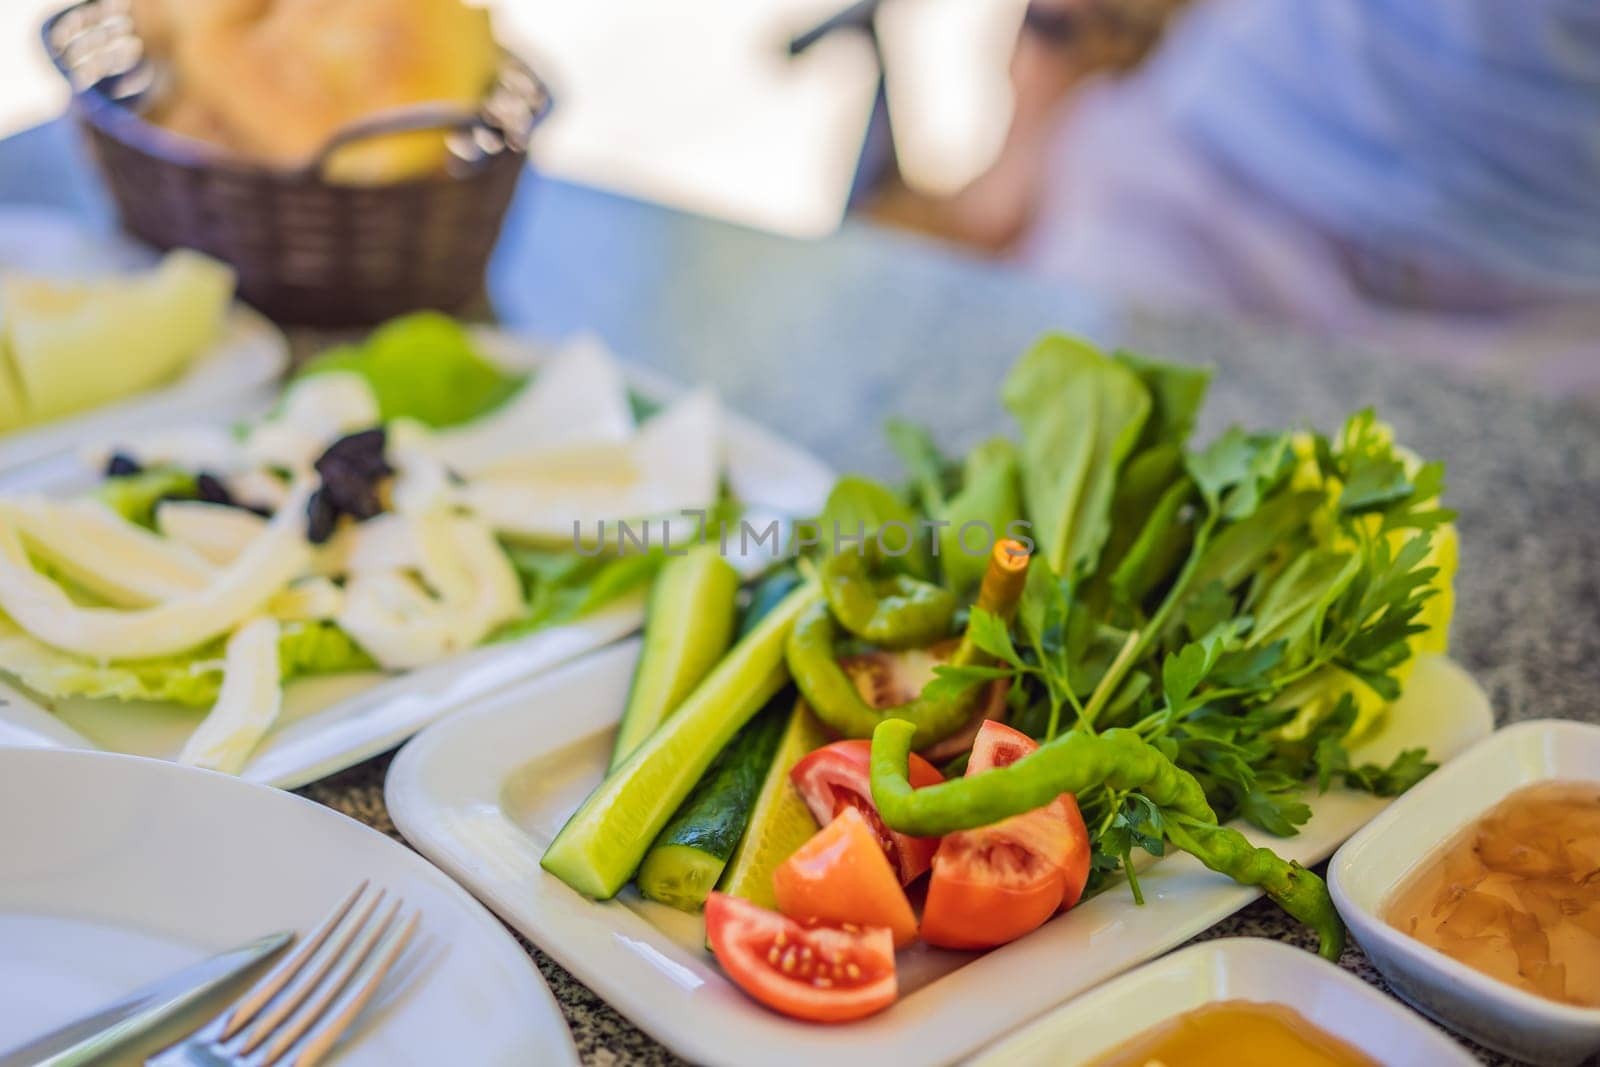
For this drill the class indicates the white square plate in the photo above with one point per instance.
(1244, 968)
(485, 792)
(1381, 857)
(330, 723)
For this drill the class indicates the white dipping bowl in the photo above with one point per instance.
(1382, 856)
(1238, 968)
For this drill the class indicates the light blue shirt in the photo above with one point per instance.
(1465, 130)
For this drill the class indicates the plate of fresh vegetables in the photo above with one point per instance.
(986, 739)
(420, 517)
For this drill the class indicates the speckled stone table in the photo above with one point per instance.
(823, 340)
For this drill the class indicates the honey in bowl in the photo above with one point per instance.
(1517, 894)
(1237, 1033)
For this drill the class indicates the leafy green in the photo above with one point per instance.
(423, 366)
(990, 500)
(1081, 414)
(1248, 606)
(192, 679)
(858, 508)
(135, 496)
(561, 585)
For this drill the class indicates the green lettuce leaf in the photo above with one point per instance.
(192, 679)
(561, 585)
(423, 366)
(135, 496)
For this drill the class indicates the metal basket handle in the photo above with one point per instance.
(533, 95)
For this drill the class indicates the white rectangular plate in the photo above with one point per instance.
(333, 722)
(1243, 968)
(485, 792)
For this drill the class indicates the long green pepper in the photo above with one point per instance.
(1077, 762)
(1073, 763)
(839, 705)
(832, 695)
(1293, 888)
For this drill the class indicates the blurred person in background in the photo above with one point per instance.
(1422, 172)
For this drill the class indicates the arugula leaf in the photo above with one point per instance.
(929, 469)
(991, 497)
(1177, 392)
(1081, 414)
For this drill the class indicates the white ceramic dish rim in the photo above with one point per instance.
(566, 927)
(1300, 970)
(394, 707)
(493, 934)
(1356, 911)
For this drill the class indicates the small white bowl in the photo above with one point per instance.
(1242, 968)
(1378, 859)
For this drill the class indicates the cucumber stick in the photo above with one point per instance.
(687, 629)
(780, 822)
(683, 865)
(604, 841)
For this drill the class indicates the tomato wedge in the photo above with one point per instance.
(998, 745)
(995, 883)
(822, 974)
(837, 776)
(842, 876)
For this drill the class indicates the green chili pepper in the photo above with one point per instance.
(836, 701)
(1296, 890)
(890, 611)
(1072, 763)
(1079, 761)
(833, 696)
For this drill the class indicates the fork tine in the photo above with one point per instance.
(354, 957)
(357, 997)
(267, 988)
(310, 976)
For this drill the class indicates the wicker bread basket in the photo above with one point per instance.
(307, 251)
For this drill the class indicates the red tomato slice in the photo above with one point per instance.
(822, 974)
(995, 883)
(986, 891)
(837, 776)
(998, 745)
(842, 876)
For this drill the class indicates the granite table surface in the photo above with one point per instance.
(822, 340)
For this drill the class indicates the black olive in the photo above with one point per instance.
(351, 470)
(121, 465)
(210, 489)
(321, 517)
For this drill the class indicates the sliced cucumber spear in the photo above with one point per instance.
(687, 629)
(604, 841)
(683, 865)
(780, 822)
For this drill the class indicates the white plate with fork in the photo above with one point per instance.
(116, 871)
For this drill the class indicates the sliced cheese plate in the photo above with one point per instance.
(329, 723)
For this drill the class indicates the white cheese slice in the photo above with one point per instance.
(247, 705)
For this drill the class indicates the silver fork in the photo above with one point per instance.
(296, 1012)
